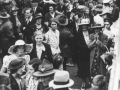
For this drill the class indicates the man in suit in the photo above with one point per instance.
(36, 9)
(27, 22)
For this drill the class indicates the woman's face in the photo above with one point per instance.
(39, 39)
(31, 69)
(38, 21)
(54, 25)
(20, 50)
(51, 9)
(15, 13)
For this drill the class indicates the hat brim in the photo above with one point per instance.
(27, 50)
(40, 74)
(97, 27)
(51, 84)
(50, 1)
(84, 24)
(7, 16)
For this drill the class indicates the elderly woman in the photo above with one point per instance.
(19, 50)
(97, 45)
(40, 50)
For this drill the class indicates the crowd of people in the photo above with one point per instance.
(38, 38)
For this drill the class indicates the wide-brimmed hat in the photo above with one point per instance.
(49, 1)
(45, 69)
(16, 63)
(28, 47)
(62, 20)
(85, 22)
(4, 87)
(61, 80)
(4, 14)
(15, 9)
(97, 26)
(39, 15)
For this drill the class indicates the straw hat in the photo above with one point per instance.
(28, 47)
(106, 1)
(49, 1)
(45, 69)
(61, 80)
(85, 22)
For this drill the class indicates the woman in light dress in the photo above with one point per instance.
(19, 50)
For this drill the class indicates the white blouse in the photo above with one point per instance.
(39, 50)
(7, 59)
(52, 38)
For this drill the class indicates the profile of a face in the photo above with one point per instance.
(21, 70)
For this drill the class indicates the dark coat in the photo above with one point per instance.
(26, 36)
(65, 41)
(38, 10)
(16, 32)
(47, 54)
(14, 84)
(83, 56)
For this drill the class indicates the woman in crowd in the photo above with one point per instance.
(40, 49)
(19, 50)
(38, 25)
(83, 53)
(97, 45)
(52, 37)
(16, 21)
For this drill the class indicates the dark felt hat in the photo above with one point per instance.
(16, 63)
(39, 15)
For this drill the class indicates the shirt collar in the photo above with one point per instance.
(41, 47)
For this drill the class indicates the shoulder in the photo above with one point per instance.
(47, 46)
(104, 35)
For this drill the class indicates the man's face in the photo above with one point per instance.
(107, 25)
(28, 13)
(51, 9)
(38, 21)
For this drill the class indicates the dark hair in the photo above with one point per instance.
(36, 66)
(15, 49)
(108, 59)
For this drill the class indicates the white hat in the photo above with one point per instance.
(85, 21)
(28, 47)
(49, 1)
(61, 80)
(106, 1)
